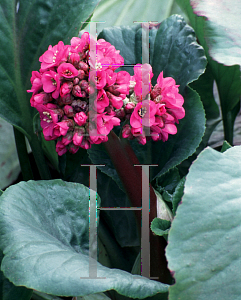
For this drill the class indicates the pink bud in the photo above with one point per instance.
(77, 91)
(68, 110)
(126, 132)
(66, 88)
(129, 107)
(80, 118)
(73, 149)
(81, 74)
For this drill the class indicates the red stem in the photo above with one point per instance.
(123, 158)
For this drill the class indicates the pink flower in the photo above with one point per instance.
(51, 83)
(53, 56)
(60, 128)
(60, 148)
(143, 114)
(80, 45)
(36, 82)
(80, 118)
(67, 139)
(110, 77)
(105, 123)
(115, 101)
(143, 76)
(77, 139)
(66, 88)
(67, 70)
(102, 101)
(98, 78)
(126, 132)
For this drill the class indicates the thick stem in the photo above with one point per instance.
(23, 155)
(123, 157)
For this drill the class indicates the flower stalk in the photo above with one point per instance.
(124, 159)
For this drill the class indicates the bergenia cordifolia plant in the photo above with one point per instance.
(70, 76)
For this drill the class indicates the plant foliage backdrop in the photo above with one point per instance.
(45, 238)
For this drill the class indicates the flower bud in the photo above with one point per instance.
(120, 113)
(129, 107)
(155, 92)
(81, 74)
(69, 122)
(67, 139)
(66, 99)
(84, 85)
(126, 132)
(66, 88)
(80, 118)
(69, 111)
(83, 66)
(73, 149)
(77, 91)
(79, 105)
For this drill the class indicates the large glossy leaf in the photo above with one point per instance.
(228, 79)
(204, 240)
(8, 291)
(44, 229)
(222, 28)
(132, 11)
(173, 49)
(184, 60)
(27, 29)
(9, 165)
(177, 53)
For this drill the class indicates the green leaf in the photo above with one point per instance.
(132, 11)
(185, 66)
(204, 241)
(98, 296)
(168, 181)
(42, 296)
(44, 229)
(173, 49)
(204, 87)
(179, 146)
(177, 53)
(225, 146)
(160, 227)
(22, 43)
(228, 79)
(222, 25)
(8, 291)
(9, 163)
(177, 195)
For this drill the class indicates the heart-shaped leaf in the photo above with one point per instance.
(204, 240)
(222, 29)
(44, 229)
(8, 291)
(228, 78)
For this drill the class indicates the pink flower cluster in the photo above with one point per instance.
(157, 108)
(77, 92)
(80, 97)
